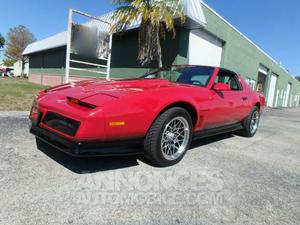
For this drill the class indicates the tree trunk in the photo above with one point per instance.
(160, 64)
(23, 68)
(159, 54)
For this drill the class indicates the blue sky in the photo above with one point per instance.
(273, 25)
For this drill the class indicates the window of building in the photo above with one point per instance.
(251, 83)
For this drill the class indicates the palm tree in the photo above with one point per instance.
(157, 18)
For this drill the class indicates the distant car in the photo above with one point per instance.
(9, 74)
(162, 111)
(6, 72)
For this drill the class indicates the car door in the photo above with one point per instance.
(244, 97)
(237, 99)
(226, 106)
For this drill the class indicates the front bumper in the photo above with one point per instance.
(123, 147)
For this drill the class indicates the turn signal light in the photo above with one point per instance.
(34, 113)
(117, 123)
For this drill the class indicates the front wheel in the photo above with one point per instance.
(251, 123)
(169, 137)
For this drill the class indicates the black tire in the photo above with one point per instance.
(152, 142)
(246, 131)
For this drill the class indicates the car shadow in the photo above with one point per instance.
(209, 140)
(82, 165)
(99, 164)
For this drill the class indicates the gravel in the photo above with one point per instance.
(226, 179)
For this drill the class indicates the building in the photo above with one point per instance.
(18, 68)
(206, 38)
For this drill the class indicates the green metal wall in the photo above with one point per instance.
(50, 62)
(124, 57)
(242, 56)
(125, 53)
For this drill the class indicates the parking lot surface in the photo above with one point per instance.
(226, 179)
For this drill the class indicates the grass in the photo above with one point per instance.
(17, 94)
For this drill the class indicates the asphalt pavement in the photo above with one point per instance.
(226, 179)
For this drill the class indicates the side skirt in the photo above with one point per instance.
(217, 130)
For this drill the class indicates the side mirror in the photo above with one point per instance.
(221, 87)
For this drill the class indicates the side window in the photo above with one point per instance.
(234, 84)
(228, 78)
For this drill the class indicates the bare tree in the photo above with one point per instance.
(17, 40)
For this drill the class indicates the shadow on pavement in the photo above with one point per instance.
(209, 140)
(97, 164)
(88, 164)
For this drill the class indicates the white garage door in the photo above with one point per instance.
(287, 96)
(272, 90)
(204, 49)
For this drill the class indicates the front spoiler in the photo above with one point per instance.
(83, 149)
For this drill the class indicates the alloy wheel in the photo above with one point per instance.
(254, 122)
(175, 138)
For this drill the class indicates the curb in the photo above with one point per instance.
(14, 113)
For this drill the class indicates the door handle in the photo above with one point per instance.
(244, 98)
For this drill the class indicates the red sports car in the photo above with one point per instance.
(161, 113)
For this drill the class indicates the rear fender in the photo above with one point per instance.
(262, 102)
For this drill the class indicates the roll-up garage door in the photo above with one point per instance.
(204, 49)
(272, 89)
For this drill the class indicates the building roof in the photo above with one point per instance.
(192, 9)
(54, 41)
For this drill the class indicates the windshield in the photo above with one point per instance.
(195, 75)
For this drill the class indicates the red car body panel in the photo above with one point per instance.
(126, 109)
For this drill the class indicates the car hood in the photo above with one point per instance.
(117, 89)
(98, 92)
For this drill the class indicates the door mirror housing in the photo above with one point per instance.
(221, 87)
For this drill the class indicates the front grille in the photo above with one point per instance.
(61, 123)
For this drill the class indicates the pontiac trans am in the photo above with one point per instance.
(158, 114)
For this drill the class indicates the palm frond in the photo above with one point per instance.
(157, 18)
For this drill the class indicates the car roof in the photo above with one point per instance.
(215, 67)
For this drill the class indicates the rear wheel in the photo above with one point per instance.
(251, 123)
(169, 137)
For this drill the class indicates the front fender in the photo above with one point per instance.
(132, 117)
